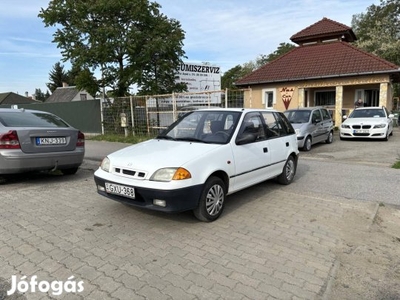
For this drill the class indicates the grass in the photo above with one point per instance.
(130, 139)
(396, 165)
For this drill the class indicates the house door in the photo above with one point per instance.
(371, 97)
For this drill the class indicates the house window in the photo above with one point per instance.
(325, 98)
(83, 97)
(269, 97)
(370, 97)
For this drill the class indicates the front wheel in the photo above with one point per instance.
(329, 139)
(288, 172)
(307, 144)
(212, 200)
(69, 171)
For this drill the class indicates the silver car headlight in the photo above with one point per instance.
(345, 126)
(105, 164)
(380, 126)
(168, 174)
(298, 132)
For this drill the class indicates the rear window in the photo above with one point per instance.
(31, 119)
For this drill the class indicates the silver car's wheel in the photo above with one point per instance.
(329, 140)
(307, 144)
(212, 200)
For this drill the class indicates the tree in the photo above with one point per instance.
(83, 79)
(57, 77)
(39, 95)
(232, 75)
(129, 41)
(378, 31)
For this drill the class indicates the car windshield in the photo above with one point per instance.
(298, 116)
(368, 113)
(211, 126)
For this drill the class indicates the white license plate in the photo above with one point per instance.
(51, 141)
(121, 190)
(361, 131)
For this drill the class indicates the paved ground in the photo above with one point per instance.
(272, 242)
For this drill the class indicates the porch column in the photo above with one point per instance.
(338, 105)
(301, 98)
(383, 94)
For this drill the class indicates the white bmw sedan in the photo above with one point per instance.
(368, 122)
(200, 159)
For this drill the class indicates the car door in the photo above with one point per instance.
(327, 123)
(251, 153)
(317, 126)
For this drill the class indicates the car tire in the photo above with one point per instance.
(212, 200)
(307, 144)
(329, 139)
(288, 172)
(386, 138)
(69, 171)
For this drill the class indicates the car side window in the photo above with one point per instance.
(316, 116)
(325, 114)
(287, 128)
(252, 125)
(273, 127)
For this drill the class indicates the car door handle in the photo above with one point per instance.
(265, 150)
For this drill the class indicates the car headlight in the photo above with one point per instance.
(298, 132)
(105, 164)
(168, 174)
(345, 126)
(380, 126)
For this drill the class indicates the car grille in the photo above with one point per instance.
(361, 126)
(130, 173)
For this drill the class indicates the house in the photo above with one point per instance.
(325, 69)
(68, 94)
(14, 99)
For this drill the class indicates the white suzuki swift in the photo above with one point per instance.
(200, 159)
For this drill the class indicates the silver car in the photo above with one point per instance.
(312, 124)
(32, 140)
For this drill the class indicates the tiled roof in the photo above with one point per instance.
(325, 29)
(63, 94)
(323, 60)
(13, 98)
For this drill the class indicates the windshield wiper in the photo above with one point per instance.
(165, 137)
(190, 139)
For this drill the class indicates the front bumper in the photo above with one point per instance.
(300, 141)
(176, 200)
(374, 133)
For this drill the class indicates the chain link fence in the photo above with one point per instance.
(148, 115)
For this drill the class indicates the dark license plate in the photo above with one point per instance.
(51, 141)
(121, 190)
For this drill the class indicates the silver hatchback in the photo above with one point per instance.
(312, 124)
(32, 140)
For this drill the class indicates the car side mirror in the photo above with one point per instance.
(316, 121)
(391, 116)
(246, 138)
(344, 117)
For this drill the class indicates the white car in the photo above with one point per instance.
(201, 158)
(368, 122)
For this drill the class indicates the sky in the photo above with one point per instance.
(225, 33)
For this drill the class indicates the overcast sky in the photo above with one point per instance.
(225, 33)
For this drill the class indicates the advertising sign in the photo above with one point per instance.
(200, 78)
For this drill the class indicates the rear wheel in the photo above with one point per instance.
(329, 139)
(307, 144)
(212, 200)
(288, 172)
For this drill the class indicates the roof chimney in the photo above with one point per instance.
(65, 84)
(26, 94)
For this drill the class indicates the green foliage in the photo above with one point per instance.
(120, 138)
(378, 30)
(57, 77)
(232, 75)
(39, 95)
(130, 41)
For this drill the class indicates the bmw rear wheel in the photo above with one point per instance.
(212, 200)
